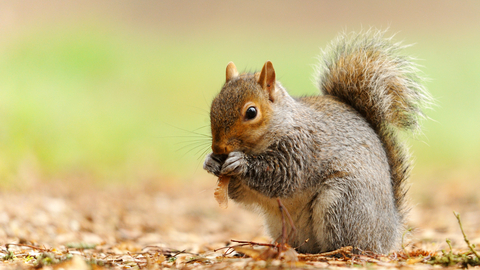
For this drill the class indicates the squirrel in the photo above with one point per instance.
(335, 159)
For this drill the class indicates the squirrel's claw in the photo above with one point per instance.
(235, 164)
(212, 164)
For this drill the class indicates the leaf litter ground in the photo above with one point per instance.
(73, 225)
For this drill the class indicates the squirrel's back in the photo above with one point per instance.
(367, 72)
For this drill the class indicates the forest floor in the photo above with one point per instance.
(154, 225)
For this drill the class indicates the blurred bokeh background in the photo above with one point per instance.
(119, 91)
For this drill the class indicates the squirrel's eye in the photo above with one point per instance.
(251, 113)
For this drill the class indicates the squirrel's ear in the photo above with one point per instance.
(231, 71)
(267, 79)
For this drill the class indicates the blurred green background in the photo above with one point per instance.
(120, 90)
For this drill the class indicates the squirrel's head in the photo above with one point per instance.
(241, 112)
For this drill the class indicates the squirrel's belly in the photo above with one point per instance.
(304, 238)
(303, 210)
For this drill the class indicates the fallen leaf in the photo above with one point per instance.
(250, 252)
(414, 260)
(75, 263)
(221, 192)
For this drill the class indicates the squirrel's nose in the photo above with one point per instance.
(221, 149)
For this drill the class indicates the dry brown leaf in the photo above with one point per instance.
(326, 256)
(268, 254)
(75, 262)
(414, 260)
(221, 192)
(338, 263)
(289, 255)
(250, 252)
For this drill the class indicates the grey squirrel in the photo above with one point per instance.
(334, 159)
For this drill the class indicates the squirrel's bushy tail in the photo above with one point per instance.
(367, 71)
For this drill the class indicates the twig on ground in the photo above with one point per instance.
(403, 243)
(470, 246)
(135, 260)
(30, 246)
(253, 243)
(230, 249)
(346, 252)
(178, 253)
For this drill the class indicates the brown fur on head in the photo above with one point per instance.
(242, 96)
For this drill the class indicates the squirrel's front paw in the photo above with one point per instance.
(213, 163)
(235, 164)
